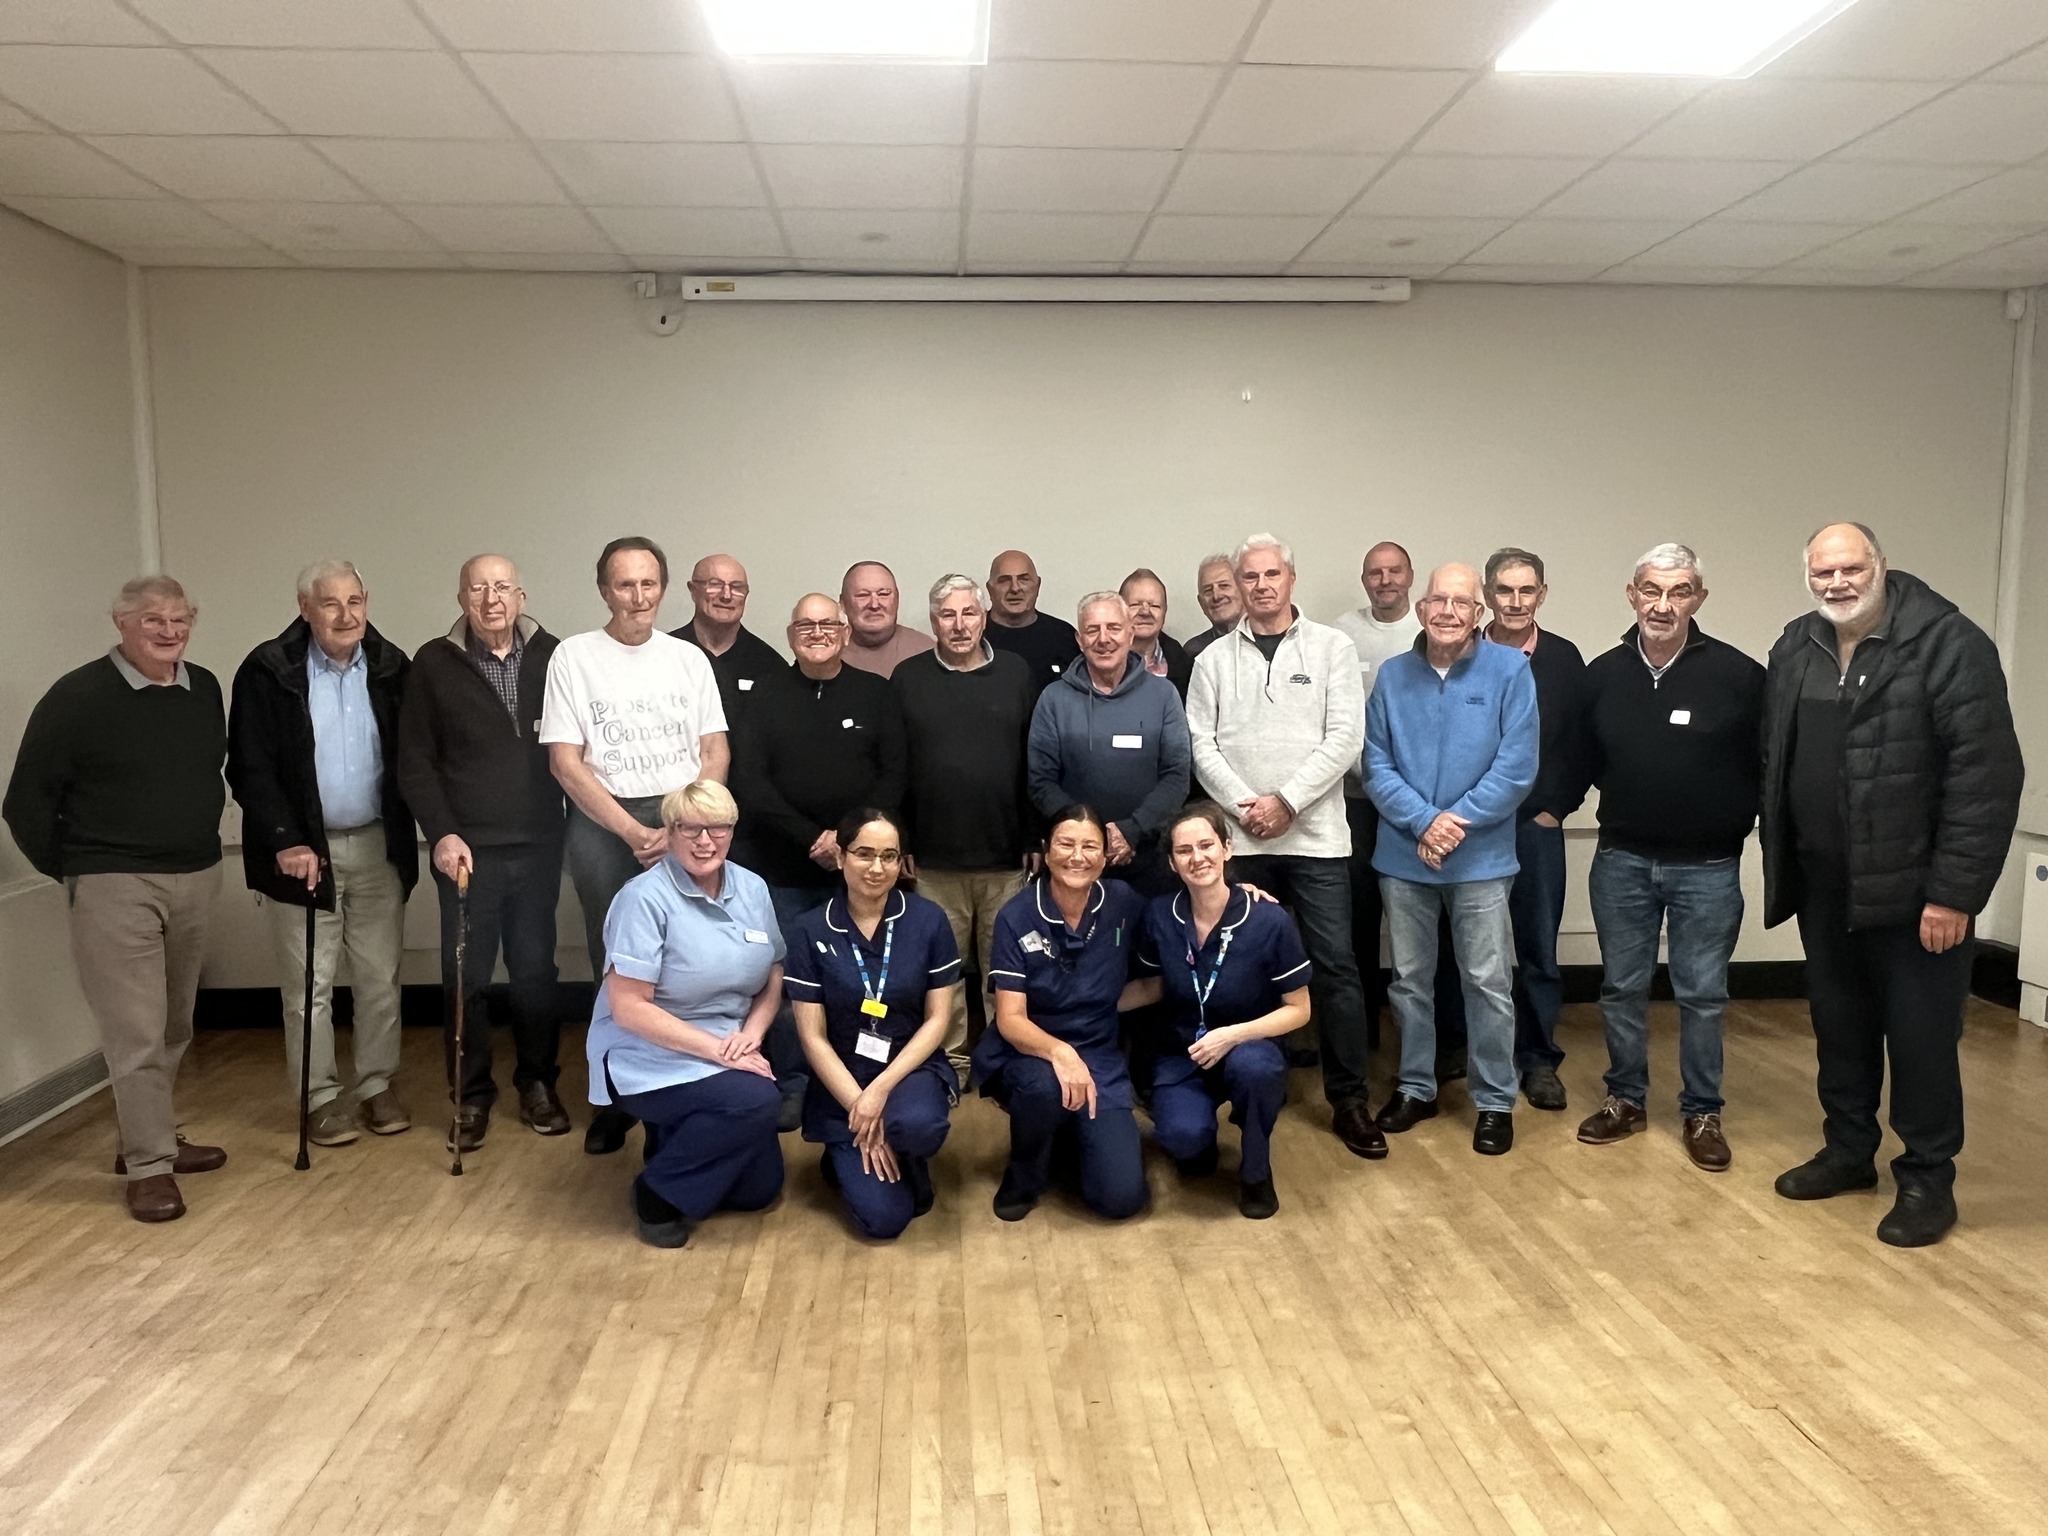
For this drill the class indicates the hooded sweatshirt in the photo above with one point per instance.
(1125, 752)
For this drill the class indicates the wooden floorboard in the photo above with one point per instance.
(1565, 1340)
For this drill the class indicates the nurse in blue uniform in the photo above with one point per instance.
(870, 977)
(675, 1038)
(1235, 979)
(1061, 967)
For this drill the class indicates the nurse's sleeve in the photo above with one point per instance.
(1147, 947)
(802, 977)
(1289, 968)
(636, 933)
(941, 953)
(1006, 955)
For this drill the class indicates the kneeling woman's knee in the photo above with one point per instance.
(1031, 1078)
(879, 1221)
(1117, 1198)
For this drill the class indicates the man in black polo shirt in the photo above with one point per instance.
(1046, 644)
(741, 660)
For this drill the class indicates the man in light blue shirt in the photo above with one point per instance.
(345, 757)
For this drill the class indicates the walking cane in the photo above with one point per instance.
(306, 1045)
(461, 990)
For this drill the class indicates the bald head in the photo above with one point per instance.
(1450, 612)
(1013, 589)
(489, 592)
(1845, 572)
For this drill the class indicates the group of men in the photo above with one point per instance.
(1415, 760)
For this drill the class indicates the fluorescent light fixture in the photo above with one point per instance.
(1725, 38)
(937, 31)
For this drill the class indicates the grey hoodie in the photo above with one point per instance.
(1125, 752)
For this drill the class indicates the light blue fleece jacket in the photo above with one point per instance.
(1465, 743)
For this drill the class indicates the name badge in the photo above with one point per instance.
(1681, 717)
(846, 725)
(1127, 741)
(1033, 943)
(874, 1008)
(873, 1046)
(746, 685)
(756, 936)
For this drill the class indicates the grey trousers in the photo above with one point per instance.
(599, 864)
(138, 941)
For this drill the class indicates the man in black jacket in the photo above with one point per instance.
(741, 660)
(474, 772)
(1892, 779)
(312, 758)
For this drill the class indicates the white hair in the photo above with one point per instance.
(138, 594)
(1670, 557)
(330, 570)
(953, 582)
(1098, 600)
(1262, 541)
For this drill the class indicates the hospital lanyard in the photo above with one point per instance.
(1202, 992)
(873, 1006)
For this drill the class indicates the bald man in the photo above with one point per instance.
(875, 642)
(741, 660)
(1450, 753)
(1043, 642)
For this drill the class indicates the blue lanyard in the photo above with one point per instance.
(872, 992)
(1202, 992)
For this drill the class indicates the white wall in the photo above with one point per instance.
(408, 420)
(70, 534)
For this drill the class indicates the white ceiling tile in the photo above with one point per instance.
(14, 120)
(1903, 248)
(1208, 237)
(1768, 119)
(996, 267)
(853, 103)
(658, 175)
(1635, 272)
(1850, 192)
(1330, 111)
(1821, 277)
(1390, 34)
(1071, 180)
(2021, 264)
(1192, 267)
(1040, 237)
(670, 262)
(1916, 40)
(289, 23)
(470, 227)
(2011, 197)
(207, 166)
(125, 90)
(99, 22)
(1363, 267)
(1468, 272)
(848, 266)
(1215, 182)
(1112, 106)
(1452, 186)
(1420, 241)
(1975, 123)
(1724, 243)
(2032, 65)
(445, 170)
(1561, 242)
(739, 232)
(50, 165)
(203, 256)
(823, 235)
(323, 226)
(1172, 31)
(1663, 189)
(355, 92)
(862, 176)
(548, 261)
(426, 258)
(586, 26)
(1552, 115)
(118, 224)
(610, 96)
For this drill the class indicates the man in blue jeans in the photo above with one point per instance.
(1672, 740)
(1450, 753)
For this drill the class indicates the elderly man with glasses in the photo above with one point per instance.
(741, 660)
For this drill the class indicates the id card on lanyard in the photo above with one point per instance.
(871, 1042)
(1202, 991)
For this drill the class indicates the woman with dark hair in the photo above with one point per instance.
(1061, 970)
(870, 977)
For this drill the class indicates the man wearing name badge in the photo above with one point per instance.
(1045, 643)
(1671, 738)
(1276, 719)
(631, 714)
(1217, 596)
(1161, 654)
(876, 642)
(740, 659)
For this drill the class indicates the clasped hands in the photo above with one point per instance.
(1440, 839)
(864, 1119)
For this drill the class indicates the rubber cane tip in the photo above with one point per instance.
(302, 1162)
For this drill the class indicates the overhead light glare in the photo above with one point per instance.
(1719, 38)
(935, 31)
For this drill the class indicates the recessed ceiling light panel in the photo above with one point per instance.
(937, 31)
(1723, 38)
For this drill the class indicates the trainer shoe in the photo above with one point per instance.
(384, 1115)
(332, 1125)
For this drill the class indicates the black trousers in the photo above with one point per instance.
(1364, 818)
(1876, 992)
(512, 894)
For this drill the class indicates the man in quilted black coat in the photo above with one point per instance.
(1891, 788)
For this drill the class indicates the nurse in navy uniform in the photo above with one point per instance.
(870, 978)
(1061, 970)
(1235, 980)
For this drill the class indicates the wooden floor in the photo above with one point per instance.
(1566, 1339)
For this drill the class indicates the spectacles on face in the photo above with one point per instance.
(807, 627)
(690, 832)
(477, 591)
(735, 588)
(1653, 595)
(888, 858)
(157, 624)
(1462, 605)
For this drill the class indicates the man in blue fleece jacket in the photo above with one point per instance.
(1450, 752)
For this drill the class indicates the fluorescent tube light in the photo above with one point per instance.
(940, 31)
(1726, 38)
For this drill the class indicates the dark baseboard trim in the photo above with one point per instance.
(47, 1095)
(419, 1006)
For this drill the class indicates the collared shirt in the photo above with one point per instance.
(708, 957)
(987, 655)
(1657, 672)
(502, 673)
(1155, 663)
(1526, 647)
(347, 755)
(135, 679)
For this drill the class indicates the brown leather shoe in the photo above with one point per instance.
(385, 1115)
(540, 1108)
(1615, 1120)
(1705, 1144)
(192, 1158)
(155, 1198)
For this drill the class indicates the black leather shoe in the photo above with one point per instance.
(1256, 1199)
(791, 1114)
(1200, 1166)
(607, 1131)
(1494, 1133)
(1921, 1215)
(1012, 1204)
(541, 1108)
(1542, 1089)
(1355, 1127)
(1823, 1176)
(917, 1173)
(661, 1224)
(1404, 1114)
(472, 1123)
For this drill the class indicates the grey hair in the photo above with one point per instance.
(1221, 557)
(330, 570)
(1098, 599)
(953, 582)
(1262, 541)
(1870, 538)
(1670, 557)
(138, 594)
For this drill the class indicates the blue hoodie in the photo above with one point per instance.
(1125, 752)
(1464, 743)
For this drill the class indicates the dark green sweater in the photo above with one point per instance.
(118, 780)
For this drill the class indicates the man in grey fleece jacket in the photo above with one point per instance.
(1276, 716)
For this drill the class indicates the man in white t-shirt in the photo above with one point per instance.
(631, 714)
(1381, 630)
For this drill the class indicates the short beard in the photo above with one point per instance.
(1856, 613)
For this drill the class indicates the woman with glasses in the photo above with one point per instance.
(695, 969)
(871, 977)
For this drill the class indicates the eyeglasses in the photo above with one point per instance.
(736, 588)
(888, 858)
(1684, 592)
(689, 832)
(815, 626)
(1465, 605)
(155, 624)
(480, 590)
